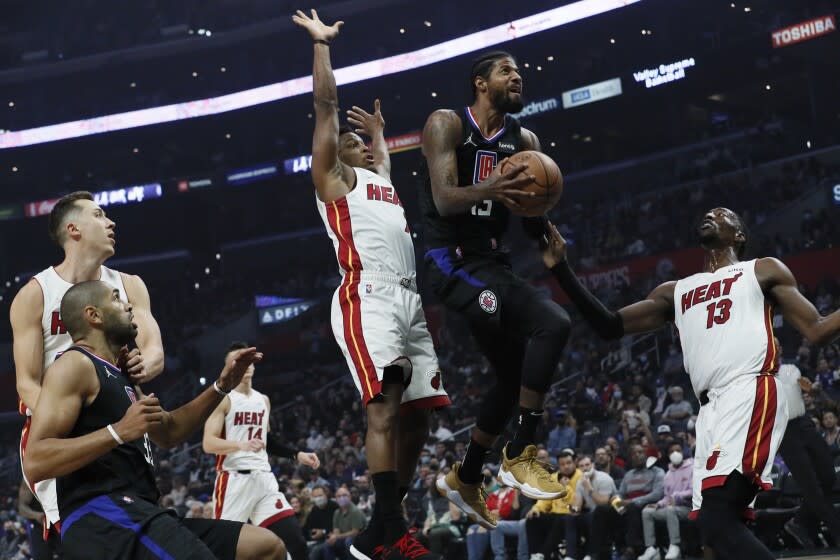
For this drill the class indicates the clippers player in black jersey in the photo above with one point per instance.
(465, 204)
(92, 433)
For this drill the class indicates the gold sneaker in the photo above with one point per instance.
(470, 498)
(532, 477)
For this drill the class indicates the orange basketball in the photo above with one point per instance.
(547, 185)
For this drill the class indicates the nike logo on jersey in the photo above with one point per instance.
(708, 292)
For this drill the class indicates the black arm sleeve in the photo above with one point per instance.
(276, 447)
(608, 324)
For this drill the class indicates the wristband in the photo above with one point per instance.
(115, 435)
(321, 42)
(219, 389)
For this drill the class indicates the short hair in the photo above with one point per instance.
(483, 65)
(585, 456)
(344, 129)
(563, 454)
(64, 208)
(235, 345)
(74, 302)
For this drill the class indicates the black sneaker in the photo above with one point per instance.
(368, 545)
(410, 548)
(799, 534)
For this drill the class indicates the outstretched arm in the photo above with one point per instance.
(374, 127)
(643, 316)
(778, 282)
(178, 425)
(332, 178)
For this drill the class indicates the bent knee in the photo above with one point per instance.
(257, 543)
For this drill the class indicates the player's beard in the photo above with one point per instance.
(119, 331)
(504, 102)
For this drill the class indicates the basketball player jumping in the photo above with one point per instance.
(465, 206)
(87, 236)
(246, 489)
(92, 433)
(724, 319)
(377, 315)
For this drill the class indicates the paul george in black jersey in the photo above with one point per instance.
(466, 205)
(92, 434)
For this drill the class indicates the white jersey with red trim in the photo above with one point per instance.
(725, 326)
(53, 286)
(247, 419)
(368, 228)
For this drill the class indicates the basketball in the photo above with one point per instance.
(547, 185)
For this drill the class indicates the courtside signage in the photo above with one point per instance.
(664, 73)
(804, 31)
(591, 93)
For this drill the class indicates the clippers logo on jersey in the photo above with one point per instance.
(485, 163)
(130, 392)
(56, 326)
(708, 292)
(487, 301)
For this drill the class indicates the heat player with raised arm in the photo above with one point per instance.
(377, 314)
(88, 238)
(724, 317)
(246, 489)
(93, 430)
(466, 202)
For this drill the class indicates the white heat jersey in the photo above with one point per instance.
(53, 286)
(725, 326)
(368, 228)
(247, 419)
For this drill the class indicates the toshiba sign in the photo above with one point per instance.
(804, 31)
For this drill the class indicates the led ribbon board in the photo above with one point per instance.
(290, 88)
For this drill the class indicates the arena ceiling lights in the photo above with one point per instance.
(274, 92)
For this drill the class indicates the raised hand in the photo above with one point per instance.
(318, 30)
(131, 362)
(141, 416)
(555, 251)
(366, 123)
(236, 367)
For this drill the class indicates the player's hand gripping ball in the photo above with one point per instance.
(547, 185)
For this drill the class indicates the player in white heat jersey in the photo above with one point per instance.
(87, 236)
(377, 315)
(246, 489)
(725, 325)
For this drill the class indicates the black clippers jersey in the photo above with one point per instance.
(126, 468)
(484, 225)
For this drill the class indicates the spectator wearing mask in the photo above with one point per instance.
(504, 502)
(347, 522)
(564, 435)
(604, 463)
(674, 506)
(594, 488)
(623, 517)
(319, 522)
(549, 521)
